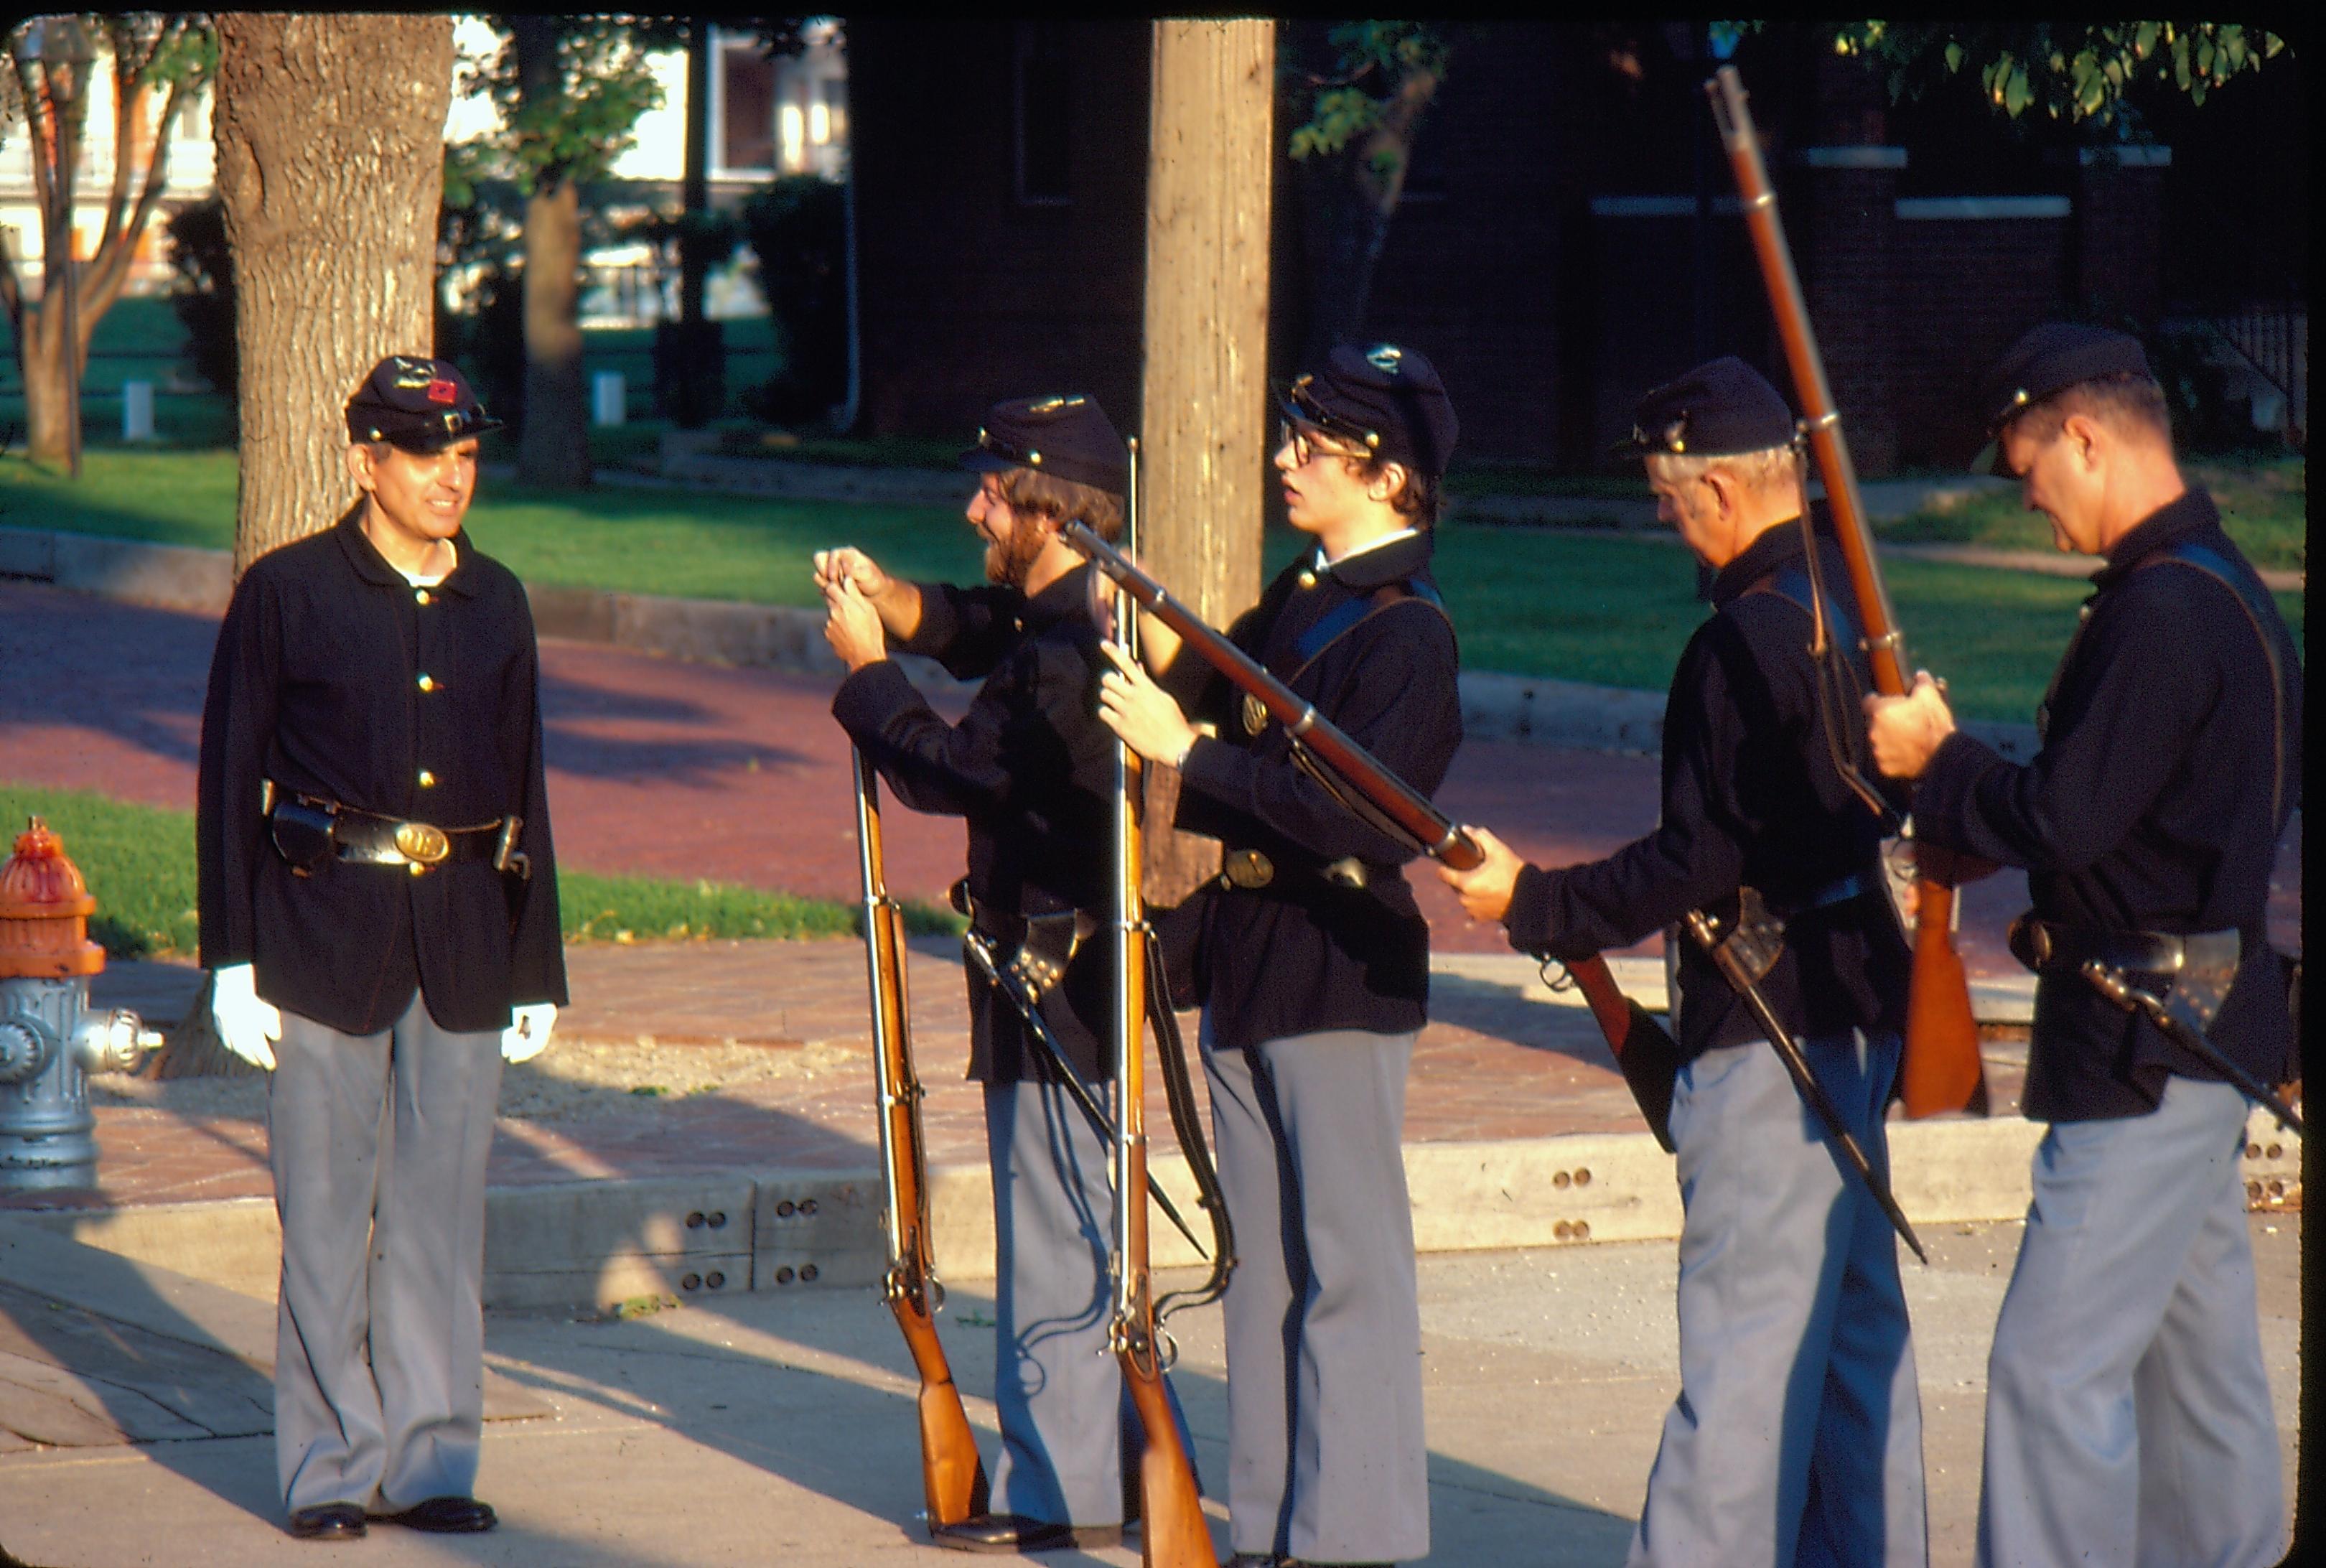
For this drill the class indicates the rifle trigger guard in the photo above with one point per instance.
(1561, 983)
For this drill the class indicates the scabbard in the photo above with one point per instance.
(2111, 984)
(1007, 983)
(1805, 1081)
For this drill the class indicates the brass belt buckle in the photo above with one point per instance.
(1248, 868)
(423, 843)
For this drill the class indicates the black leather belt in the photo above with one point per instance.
(1036, 949)
(1855, 886)
(1248, 869)
(308, 828)
(382, 841)
(2050, 947)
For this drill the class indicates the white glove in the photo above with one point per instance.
(245, 1023)
(529, 1030)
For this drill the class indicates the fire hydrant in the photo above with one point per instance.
(50, 1040)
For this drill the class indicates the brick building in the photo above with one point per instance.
(1566, 239)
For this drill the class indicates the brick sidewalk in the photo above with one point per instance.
(1500, 1060)
(666, 768)
(692, 770)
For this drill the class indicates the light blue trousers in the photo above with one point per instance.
(377, 1144)
(1068, 1427)
(1326, 1460)
(2127, 1409)
(1797, 1438)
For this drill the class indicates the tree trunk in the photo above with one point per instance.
(1204, 391)
(553, 451)
(39, 357)
(329, 132)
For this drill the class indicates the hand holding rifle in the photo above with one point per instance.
(1145, 717)
(1485, 889)
(1907, 731)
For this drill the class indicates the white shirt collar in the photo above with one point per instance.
(428, 579)
(1366, 548)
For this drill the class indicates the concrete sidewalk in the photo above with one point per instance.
(779, 1429)
(701, 1126)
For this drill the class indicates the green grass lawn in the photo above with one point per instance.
(139, 864)
(1617, 611)
(1530, 601)
(2263, 506)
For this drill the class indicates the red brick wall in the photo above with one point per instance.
(1965, 288)
(1547, 321)
(1845, 239)
(968, 297)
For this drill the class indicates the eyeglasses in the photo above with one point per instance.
(1306, 444)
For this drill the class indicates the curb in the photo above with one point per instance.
(1494, 706)
(601, 1243)
(604, 1242)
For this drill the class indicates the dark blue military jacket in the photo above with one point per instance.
(2149, 808)
(315, 683)
(1752, 798)
(1032, 769)
(1304, 955)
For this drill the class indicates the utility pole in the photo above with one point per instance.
(1204, 414)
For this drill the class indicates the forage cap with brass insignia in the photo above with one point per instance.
(1382, 397)
(417, 403)
(2045, 361)
(1065, 434)
(1719, 409)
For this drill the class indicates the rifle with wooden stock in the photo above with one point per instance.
(952, 1477)
(1940, 1070)
(1172, 1531)
(1643, 1050)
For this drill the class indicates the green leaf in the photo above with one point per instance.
(2144, 39)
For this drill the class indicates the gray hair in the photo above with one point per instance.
(1771, 469)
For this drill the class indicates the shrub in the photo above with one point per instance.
(203, 295)
(798, 228)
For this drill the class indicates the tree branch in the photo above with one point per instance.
(111, 269)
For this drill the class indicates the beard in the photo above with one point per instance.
(1008, 560)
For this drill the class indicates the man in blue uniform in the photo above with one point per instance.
(2127, 1413)
(1314, 967)
(1797, 1434)
(379, 901)
(1032, 769)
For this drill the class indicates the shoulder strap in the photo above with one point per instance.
(1791, 583)
(2251, 597)
(1317, 640)
(1835, 651)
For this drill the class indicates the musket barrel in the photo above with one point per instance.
(1942, 1069)
(886, 1010)
(1820, 417)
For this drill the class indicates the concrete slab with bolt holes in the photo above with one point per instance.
(604, 1243)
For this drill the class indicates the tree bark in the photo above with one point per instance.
(329, 134)
(553, 451)
(1204, 390)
